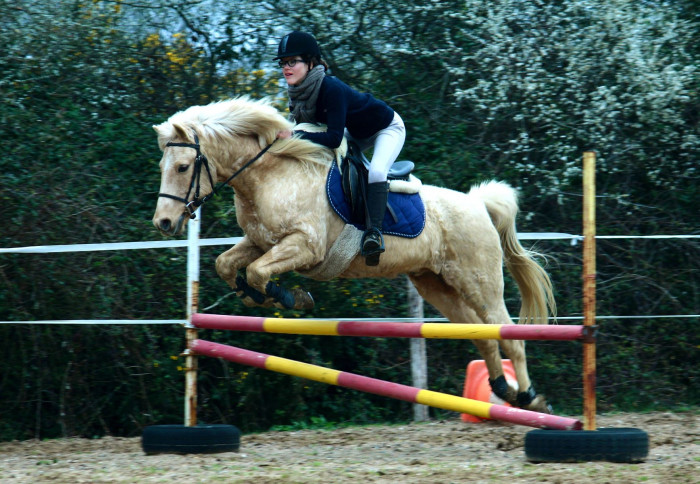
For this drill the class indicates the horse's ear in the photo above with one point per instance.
(163, 131)
(180, 132)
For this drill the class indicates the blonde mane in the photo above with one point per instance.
(241, 116)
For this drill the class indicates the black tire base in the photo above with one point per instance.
(200, 439)
(606, 444)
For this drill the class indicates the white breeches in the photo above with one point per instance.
(387, 145)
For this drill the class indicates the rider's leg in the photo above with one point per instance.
(372, 240)
(387, 146)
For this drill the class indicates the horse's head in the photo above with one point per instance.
(234, 133)
(187, 178)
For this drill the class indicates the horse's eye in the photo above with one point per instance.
(183, 168)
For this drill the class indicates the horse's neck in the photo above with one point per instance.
(230, 159)
(258, 177)
(278, 181)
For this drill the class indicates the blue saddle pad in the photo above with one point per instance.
(408, 207)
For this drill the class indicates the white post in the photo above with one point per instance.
(419, 365)
(193, 228)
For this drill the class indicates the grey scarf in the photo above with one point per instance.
(302, 98)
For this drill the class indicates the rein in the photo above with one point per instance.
(191, 206)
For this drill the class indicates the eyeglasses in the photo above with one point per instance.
(290, 63)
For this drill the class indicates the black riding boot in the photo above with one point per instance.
(372, 240)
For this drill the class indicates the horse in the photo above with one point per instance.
(455, 263)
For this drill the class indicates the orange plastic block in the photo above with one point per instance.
(477, 387)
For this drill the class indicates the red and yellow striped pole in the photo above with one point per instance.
(384, 388)
(388, 329)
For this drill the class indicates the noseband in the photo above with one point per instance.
(200, 160)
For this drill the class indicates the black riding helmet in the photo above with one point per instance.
(298, 43)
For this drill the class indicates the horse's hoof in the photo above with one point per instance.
(248, 302)
(302, 299)
(539, 404)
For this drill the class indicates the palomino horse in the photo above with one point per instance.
(282, 206)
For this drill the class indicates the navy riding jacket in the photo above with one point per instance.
(339, 106)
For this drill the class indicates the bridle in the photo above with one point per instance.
(200, 160)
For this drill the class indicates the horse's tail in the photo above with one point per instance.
(533, 281)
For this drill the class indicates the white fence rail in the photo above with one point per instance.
(193, 242)
(167, 244)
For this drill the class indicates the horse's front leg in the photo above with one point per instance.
(236, 258)
(230, 262)
(293, 252)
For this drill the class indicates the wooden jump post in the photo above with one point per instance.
(589, 297)
(384, 388)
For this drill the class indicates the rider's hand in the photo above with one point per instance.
(286, 134)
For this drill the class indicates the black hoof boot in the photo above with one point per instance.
(499, 386)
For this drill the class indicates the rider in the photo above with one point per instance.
(315, 97)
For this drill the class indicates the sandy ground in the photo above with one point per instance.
(433, 452)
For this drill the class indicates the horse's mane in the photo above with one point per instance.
(241, 116)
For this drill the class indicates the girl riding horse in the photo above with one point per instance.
(318, 98)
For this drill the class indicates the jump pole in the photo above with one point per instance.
(390, 329)
(589, 287)
(384, 388)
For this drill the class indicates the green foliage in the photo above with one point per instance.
(315, 423)
(513, 90)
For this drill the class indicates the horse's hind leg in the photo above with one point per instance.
(449, 302)
(528, 398)
(434, 290)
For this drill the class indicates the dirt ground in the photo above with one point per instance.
(430, 453)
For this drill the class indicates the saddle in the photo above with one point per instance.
(354, 168)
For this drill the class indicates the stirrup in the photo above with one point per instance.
(372, 242)
(372, 246)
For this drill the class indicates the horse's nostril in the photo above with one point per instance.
(165, 225)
